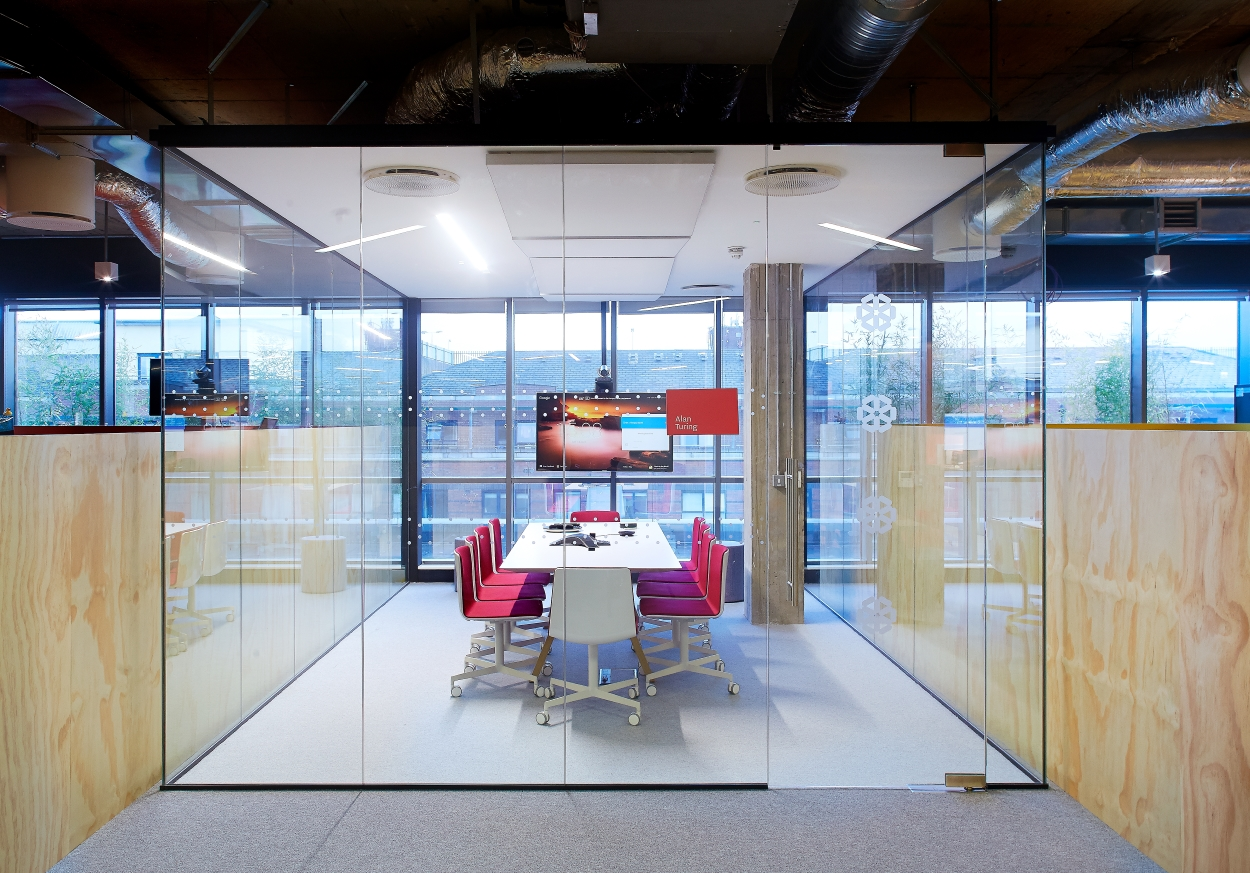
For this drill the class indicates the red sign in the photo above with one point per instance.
(702, 411)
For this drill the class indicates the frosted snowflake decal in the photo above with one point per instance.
(875, 313)
(877, 514)
(877, 614)
(876, 413)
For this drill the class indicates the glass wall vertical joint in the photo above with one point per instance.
(1137, 363)
(8, 356)
(108, 381)
(718, 312)
(509, 418)
(607, 354)
(1241, 392)
(410, 441)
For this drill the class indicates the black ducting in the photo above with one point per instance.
(848, 52)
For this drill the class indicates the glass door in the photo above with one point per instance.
(912, 659)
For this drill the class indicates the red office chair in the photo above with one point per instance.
(695, 529)
(497, 556)
(503, 586)
(500, 613)
(585, 515)
(660, 583)
(683, 585)
(498, 586)
(681, 614)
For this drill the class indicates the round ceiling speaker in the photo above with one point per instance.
(411, 181)
(792, 180)
(50, 194)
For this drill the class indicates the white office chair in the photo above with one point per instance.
(195, 554)
(592, 607)
(184, 553)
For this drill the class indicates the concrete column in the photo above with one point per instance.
(774, 442)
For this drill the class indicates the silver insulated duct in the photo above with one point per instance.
(849, 52)
(440, 87)
(1153, 177)
(1177, 94)
(139, 205)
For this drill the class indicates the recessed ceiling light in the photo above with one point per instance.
(460, 239)
(365, 239)
(212, 256)
(871, 236)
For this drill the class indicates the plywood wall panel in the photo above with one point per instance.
(79, 637)
(1149, 671)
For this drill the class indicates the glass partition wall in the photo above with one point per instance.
(924, 458)
(354, 382)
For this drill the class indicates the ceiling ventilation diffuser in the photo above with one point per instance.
(411, 181)
(792, 180)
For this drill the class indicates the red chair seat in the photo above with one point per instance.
(505, 579)
(662, 607)
(485, 611)
(511, 592)
(686, 590)
(669, 577)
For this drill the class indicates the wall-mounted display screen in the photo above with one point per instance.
(584, 432)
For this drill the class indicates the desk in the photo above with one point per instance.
(647, 549)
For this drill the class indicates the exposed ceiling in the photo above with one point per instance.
(318, 190)
(301, 61)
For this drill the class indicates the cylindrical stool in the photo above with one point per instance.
(734, 576)
(323, 564)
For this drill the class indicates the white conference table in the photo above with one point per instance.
(647, 549)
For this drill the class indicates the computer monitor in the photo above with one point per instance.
(592, 432)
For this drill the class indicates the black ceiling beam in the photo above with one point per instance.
(787, 133)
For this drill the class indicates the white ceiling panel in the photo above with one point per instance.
(599, 247)
(602, 278)
(624, 209)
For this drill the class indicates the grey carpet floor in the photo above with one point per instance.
(862, 830)
(820, 707)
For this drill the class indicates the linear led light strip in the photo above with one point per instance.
(365, 239)
(683, 303)
(212, 256)
(459, 237)
(871, 236)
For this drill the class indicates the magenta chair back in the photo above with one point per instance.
(593, 515)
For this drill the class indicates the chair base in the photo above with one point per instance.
(190, 614)
(481, 663)
(574, 691)
(706, 656)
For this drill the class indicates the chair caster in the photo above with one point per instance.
(229, 616)
(720, 666)
(734, 688)
(633, 693)
(456, 691)
(205, 631)
(634, 719)
(547, 670)
(542, 718)
(652, 691)
(538, 690)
